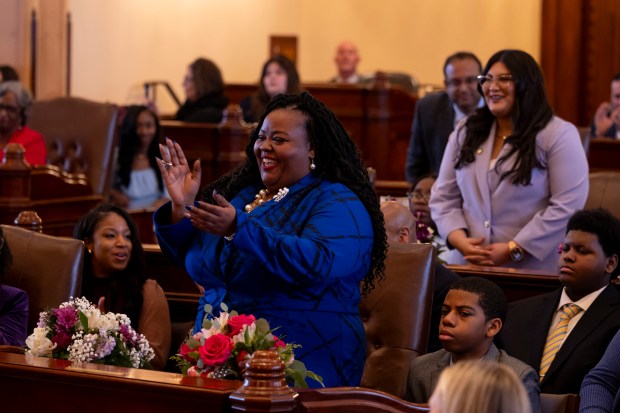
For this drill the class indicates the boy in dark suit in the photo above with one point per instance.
(471, 315)
(563, 334)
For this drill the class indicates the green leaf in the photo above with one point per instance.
(84, 321)
(224, 307)
(262, 325)
(208, 308)
(206, 324)
(316, 377)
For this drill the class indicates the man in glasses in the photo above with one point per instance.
(437, 114)
(606, 122)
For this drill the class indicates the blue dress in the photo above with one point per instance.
(297, 262)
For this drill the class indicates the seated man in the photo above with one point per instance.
(563, 334)
(400, 226)
(471, 315)
(606, 123)
(346, 60)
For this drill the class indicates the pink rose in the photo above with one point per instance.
(216, 350)
(237, 322)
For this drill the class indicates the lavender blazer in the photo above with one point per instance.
(535, 216)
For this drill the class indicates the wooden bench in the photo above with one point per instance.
(378, 119)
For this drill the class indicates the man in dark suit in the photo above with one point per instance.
(437, 114)
(400, 226)
(561, 348)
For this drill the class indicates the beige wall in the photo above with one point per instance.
(117, 44)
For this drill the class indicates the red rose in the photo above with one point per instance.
(185, 350)
(216, 350)
(237, 322)
(278, 342)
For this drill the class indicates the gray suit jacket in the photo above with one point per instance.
(425, 370)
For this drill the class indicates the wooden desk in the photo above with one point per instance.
(516, 284)
(59, 198)
(604, 155)
(57, 386)
(33, 383)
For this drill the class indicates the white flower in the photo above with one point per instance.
(38, 344)
(240, 338)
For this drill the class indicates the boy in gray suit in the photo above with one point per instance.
(471, 315)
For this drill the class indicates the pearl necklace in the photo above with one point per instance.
(262, 196)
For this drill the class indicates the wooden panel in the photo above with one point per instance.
(580, 53)
(64, 387)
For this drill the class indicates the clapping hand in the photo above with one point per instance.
(218, 219)
(182, 183)
(605, 118)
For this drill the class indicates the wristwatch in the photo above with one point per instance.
(516, 252)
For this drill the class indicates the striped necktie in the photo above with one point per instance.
(556, 337)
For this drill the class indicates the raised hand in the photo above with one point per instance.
(182, 183)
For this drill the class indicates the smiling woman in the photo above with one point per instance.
(113, 276)
(512, 173)
(294, 253)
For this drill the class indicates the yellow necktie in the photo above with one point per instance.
(556, 337)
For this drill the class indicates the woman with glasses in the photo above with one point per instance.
(512, 174)
(15, 102)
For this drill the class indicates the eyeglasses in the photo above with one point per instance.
(11, 110)
(502, 80)
(419, 196)
(457, 82)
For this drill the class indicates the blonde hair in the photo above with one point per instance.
(480, 386)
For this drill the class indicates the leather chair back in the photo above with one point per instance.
(48, 268)
(605, 192)
(559, 403)
(396, 315)
(80, 136)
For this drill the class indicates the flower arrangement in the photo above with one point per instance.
(78, 331)
(221, 349)
(427, 235)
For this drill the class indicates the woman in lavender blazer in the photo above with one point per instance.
(512, 173)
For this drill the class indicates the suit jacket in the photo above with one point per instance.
(474, 197)
(432, 124)
(525, 332)
(425, 370)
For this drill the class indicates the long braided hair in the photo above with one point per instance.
(530, 114)
(337, 160)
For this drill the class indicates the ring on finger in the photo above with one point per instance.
(166, 165)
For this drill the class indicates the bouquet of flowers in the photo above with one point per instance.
(426, 234)
(226, 342)
(78, 331)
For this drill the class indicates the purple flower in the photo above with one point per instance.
(66, 318)
(62, 340)
(128, 335)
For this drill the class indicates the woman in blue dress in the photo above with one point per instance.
(288, 236)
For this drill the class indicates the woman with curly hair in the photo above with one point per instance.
(279, 75)
(512, 173)
(113, 276)
(288, 236)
